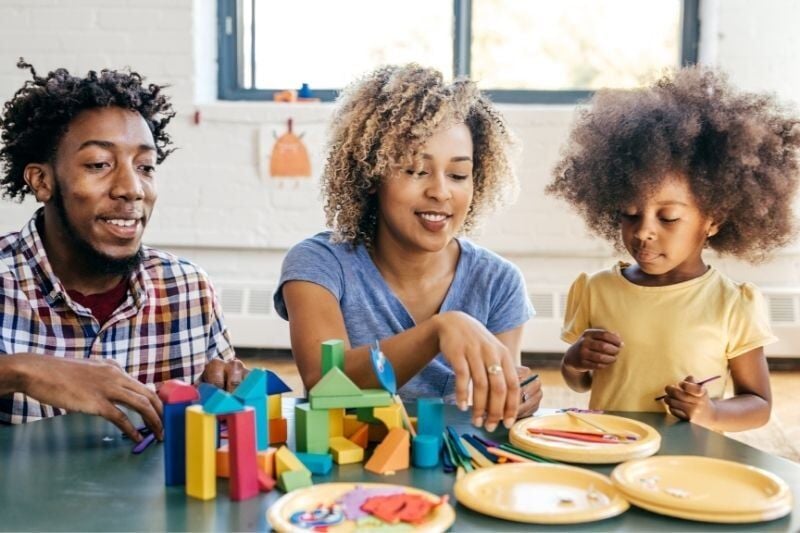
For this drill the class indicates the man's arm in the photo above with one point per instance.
(82, 385)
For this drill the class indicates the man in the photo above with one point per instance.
(90, 318)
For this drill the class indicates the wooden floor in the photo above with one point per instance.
(781, 436)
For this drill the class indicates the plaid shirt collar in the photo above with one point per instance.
(31, 247)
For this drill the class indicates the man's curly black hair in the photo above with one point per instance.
(37, 116)
(739, 151)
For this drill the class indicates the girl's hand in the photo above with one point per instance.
(476, 354)
(597, 348)
(530, 394)
(690, 401)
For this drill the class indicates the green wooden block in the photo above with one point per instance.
(311, 429)
(334, 383)
(367, 398)
(364, 414)
(332, 355)
(294, 479)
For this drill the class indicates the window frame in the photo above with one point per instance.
(230, 87)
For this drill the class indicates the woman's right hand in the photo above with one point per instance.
(597, 348)
(476, 354)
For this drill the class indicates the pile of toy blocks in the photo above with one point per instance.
(326, 433)
(192, 452)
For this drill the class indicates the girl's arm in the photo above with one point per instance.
(596, 348)
(748, 409)
(315, 316)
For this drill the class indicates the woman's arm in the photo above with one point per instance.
(315, 316)
(749, 408)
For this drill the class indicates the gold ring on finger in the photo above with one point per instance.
(494, 369)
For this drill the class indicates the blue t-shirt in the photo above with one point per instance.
(485, 286)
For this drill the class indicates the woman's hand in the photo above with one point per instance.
(476, 354)
(530, 394)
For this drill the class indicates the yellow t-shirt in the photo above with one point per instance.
(690, 328)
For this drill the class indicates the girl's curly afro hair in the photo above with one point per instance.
(37, 116)
(738, 151)
(384, 119)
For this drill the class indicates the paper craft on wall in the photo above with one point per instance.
(289, 157)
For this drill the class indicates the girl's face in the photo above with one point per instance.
(665, 233)
(424, 208)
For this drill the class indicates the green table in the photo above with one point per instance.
(76, 473)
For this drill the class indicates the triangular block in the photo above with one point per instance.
(286, 461)
(360, 436)
(253, 386)
(206, 391)
(265, 483)
(392, 454)
(275, 385)
(334, 383)
(222, 403)
(176, 391)
(294, 479)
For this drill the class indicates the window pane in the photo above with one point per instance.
(327, 44)
(573, 44)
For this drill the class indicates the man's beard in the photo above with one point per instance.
(95, 261)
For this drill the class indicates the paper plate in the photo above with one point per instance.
(540, 493)
(648, 443)
(779, 511)
(280, 512)
(705, 486)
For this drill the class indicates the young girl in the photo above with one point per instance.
(664, 172)
(413, 163)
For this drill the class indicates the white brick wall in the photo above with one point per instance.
(216, 208)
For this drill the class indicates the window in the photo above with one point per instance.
(518, 50)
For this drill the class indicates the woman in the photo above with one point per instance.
(413, 162)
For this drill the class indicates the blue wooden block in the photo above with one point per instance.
(175, 443)
(317, 463)
(430, 416)
(252, 392)
(425, 451)
(206, 391)
(275, 385)
(255, 384)
(222, 403)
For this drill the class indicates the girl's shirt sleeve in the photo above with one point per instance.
(749, 322)
(576, 314)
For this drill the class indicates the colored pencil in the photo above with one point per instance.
(701, 382)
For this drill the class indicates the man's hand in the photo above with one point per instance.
(226, 375)
(88, 386)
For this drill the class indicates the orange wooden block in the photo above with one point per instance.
(361, 436)
(266, 461)
(351, 424)
(392, 454)
(223, 461)
(277, 431)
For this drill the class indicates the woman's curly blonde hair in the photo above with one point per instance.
(384, 119)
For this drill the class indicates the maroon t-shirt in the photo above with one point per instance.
(103, 304)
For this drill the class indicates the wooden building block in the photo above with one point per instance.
(336, 422)
(351, 423)
(265, 483)
(390, 415)
(345, 452)
(251, 392)
(317, 463)
(311, 429)
(364, 414)
(425, 450)
(367, 398)
(266, 461)
(223, 461)
(430, 416)
(206, 391)
(242, 446)
(277, 431)
(294, 479)
(176, 391)
(332, 355)
(334, 383)
(201, 439)
(361, 436)
(175, 443)
(275, 406)
(254, 385)
(222, 403)
(392, 454)
(285, 460)
(275, 385)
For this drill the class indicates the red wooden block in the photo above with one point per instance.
(242, 450)
(176, 391)
(265, 483)
(277, 430)
(360, 435)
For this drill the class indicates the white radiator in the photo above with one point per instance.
(253, 322)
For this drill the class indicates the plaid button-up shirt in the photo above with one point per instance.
(169, 326)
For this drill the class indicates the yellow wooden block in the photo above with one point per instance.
(274, 406)
(201, 444)
(336, 422)
(266, 461)
(391, 415)
(285, 460)
(351, 423)
(346, 452)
